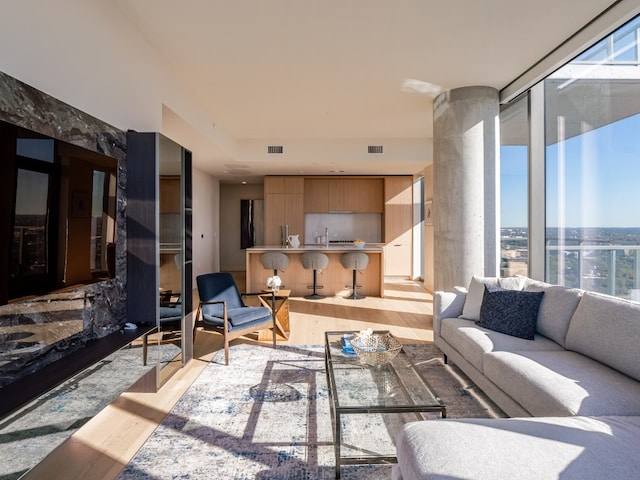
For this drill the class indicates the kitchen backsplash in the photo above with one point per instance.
(343, 226)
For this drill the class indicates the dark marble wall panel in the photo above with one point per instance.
(37, 332)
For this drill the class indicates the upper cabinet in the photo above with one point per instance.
(316, 195)
(274, 184)
(283, 205)
(337, 195)
(360, 195)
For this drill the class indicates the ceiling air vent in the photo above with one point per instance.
(375, 149)
(275, 149)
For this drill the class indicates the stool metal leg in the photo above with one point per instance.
(315, 295)
(354, 295)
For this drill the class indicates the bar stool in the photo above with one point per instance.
(316, 261)
(275, 261)
(355, 261)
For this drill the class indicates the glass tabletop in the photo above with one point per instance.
(393, 387)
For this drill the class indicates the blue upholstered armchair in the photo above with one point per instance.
(223, 310)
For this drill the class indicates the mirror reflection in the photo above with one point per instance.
(57, 238)
(171, 257)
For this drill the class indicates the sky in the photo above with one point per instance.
(592, 179)
(600, 186)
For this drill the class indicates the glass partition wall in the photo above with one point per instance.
(590, 111)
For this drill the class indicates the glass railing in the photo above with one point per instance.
(609, 269)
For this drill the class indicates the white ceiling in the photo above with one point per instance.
(324, 77)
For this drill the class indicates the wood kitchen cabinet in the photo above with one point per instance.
(283, 205)
(316, 195)
(363, 195)
(284, 184)
(398, 225)
(337, 201)
(356, 195)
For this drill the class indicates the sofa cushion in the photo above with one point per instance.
(446, 304)
(512, 312)
(475, 292)
(607, 329)
(557, 307)
(474, 341)
(559, 383)
(570, 448)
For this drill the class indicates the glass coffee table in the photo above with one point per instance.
(369, 404)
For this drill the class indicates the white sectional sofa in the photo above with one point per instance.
(579, 377)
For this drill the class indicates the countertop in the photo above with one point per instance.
(340, 247)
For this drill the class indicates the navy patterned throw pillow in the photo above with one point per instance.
(513, 312)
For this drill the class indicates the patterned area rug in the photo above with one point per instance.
(266, 416)
(29, 434)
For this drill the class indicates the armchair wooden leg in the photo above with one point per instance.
(226, 350)
(195, 322)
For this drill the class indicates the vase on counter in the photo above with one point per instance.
(294, 241)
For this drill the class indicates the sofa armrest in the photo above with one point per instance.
(447, 304)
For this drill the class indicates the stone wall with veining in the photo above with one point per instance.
(39, 331)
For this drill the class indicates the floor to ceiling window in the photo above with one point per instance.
(579, 213)
(514, 160)
(592, 165)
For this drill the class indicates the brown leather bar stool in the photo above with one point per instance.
(355, 261)
(316, 261)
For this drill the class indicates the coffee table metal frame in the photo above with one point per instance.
(334, 358)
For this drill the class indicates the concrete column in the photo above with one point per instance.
(465, 185)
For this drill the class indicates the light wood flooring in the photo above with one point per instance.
(103, 446)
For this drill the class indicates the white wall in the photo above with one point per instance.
(88, 55)
(232, 257)
(417, 269)
(429, 276)
(206, 224)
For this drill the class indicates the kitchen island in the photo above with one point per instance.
(335, 279)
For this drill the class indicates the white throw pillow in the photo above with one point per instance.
(475, 294)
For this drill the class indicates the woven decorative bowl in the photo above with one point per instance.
(376, 349)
